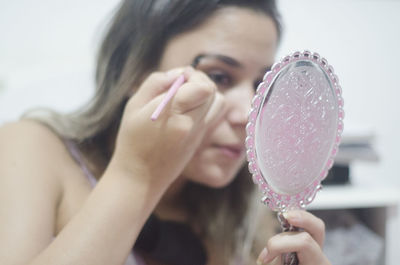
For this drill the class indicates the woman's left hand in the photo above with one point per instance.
(307, 243)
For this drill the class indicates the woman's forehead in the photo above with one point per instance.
(240, 33)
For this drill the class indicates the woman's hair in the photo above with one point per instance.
(132, 48)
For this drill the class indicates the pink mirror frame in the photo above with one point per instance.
(282, 202)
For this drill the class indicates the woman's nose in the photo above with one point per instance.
(239, 104)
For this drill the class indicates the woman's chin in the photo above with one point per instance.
(213, 177)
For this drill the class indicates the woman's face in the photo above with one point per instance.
(241, 44)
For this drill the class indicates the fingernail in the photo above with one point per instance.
(285, 214)
(292, 216)
(189, 69)
(263, 257)
(175, 72)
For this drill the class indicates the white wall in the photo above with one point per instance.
(47, 55)
(47, 52)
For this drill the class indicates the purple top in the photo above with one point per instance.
(134, 258)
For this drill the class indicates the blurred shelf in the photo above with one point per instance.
(350, 197)
(380, 208)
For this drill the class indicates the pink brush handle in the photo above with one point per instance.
(170, 94)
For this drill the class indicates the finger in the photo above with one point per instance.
(307, 249)
(216, 111)
(309, 222)
(154, 85)
(198, 91)
(263, 258)
(196, 98)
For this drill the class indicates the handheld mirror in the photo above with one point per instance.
(294, 130)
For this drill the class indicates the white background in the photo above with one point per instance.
(47, 52)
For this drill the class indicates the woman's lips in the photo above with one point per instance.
(231, 151)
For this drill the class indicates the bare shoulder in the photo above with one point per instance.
(29, 149)
(33, 165)
(28, 136)
(27, 132)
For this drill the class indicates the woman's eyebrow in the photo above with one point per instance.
(220, 57)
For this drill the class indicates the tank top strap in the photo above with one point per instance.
(134, 258)
(76, 154)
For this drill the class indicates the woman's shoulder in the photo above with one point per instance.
(28, 128)
(34, 170)
(31, 149)
(30, 139)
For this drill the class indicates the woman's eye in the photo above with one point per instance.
(221, 79)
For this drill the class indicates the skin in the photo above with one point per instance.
(227, 35)
(250, 52)
(44, 194)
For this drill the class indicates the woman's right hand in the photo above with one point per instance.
(160, 149)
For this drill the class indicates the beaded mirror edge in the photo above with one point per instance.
(275, 200)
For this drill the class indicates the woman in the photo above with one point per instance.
(172, 187)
